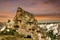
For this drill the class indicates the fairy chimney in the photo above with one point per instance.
(25, 23)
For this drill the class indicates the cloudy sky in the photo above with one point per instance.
(42, 8)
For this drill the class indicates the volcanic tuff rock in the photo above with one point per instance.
(25, 23)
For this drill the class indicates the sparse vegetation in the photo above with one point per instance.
(51, 35)
(6, 32)
(10, 37)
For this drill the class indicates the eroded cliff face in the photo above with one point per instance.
(25, 23)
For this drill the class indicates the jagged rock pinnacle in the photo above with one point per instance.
(19, 9)
(25, 21)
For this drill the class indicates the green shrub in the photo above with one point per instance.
(51, 35)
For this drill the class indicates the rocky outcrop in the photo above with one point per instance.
(25, 23)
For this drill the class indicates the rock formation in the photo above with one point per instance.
(25, 23)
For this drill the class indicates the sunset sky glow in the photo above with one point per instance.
(42, 9)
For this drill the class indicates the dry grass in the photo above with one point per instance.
(10, 37)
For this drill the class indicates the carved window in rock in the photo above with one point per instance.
(29, 36)
(38, 31)
(30, 23)
(29, 29)
(21, 14)
(33, 29)
(16, 26)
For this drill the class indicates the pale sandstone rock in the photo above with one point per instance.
(25, 23)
